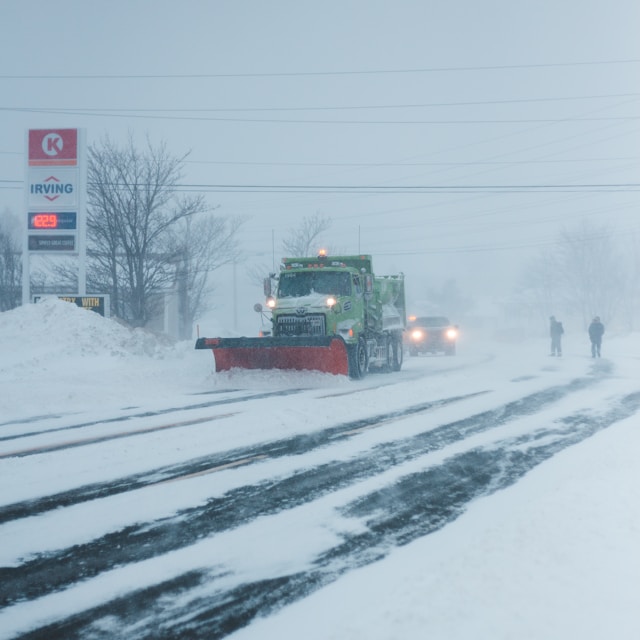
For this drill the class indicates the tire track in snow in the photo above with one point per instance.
(290, 446)
(239, 506)
(190, 606)
(135, 416)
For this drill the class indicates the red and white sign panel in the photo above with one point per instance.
(53, 147)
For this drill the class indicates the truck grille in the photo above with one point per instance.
(311, 325)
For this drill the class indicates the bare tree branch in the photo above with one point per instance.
(10, 262)
(300, 241)
(144, 237)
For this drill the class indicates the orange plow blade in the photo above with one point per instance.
(323, 353)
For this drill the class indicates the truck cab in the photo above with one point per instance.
(340, 296)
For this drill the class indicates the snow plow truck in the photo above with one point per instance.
(328, 314)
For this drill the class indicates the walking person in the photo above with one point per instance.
(555, 331)
(596, 330)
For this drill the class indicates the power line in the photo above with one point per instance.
(400, 163)
(364, 188)
(474, 121)
(464, 103)
(411, 164)
(287, 74)
(411, 188)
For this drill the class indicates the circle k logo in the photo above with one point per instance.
(52, 144)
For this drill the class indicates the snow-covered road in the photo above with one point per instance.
(220, 498)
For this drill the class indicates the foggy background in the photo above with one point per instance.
(464, 144)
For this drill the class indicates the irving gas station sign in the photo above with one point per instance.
(55, 197)
(53, 185)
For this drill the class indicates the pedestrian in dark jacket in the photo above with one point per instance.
(596, 330)
(555, 331)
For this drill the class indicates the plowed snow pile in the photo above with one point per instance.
(55, 341)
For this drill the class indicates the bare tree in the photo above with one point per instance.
(538, 293)
(202, 244)
(591, 272)
(300, 241)
(582, 277)
(10, 263)
(133, 209)
(631, 302)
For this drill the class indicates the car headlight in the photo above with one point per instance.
(452, 334)
(417, 334)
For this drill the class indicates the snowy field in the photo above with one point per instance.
(554, 556)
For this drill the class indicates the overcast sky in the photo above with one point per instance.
(413, 121)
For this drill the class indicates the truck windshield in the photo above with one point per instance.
(296, 284)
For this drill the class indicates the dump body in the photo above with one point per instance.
(329, 314)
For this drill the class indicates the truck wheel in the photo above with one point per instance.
(358, 360)
(397, 355)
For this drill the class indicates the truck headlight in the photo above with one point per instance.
(331, 301)
(271, 302)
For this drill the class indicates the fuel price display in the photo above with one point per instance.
(53, 220)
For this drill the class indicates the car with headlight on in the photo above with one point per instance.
(430, 334)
